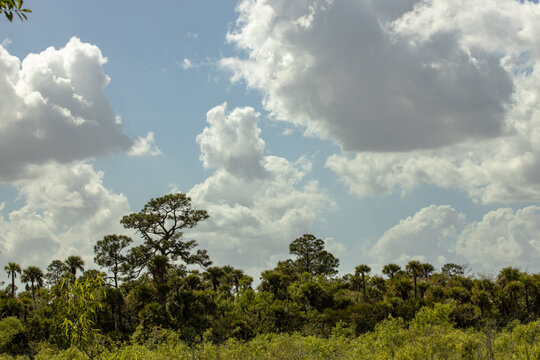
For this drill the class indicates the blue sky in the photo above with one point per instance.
(393, 130)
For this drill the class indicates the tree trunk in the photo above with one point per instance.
(364, 286)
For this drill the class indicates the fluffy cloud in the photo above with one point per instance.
(334, 68)
(438, 92)
(425, 236)
(67, 209)
(232, 142)
(53, 109)
(440, 234)
(503, 237)
(257, 204)
(145, 146)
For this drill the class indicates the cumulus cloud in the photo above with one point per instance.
(257, 203)
(67, 209)
(441, 234)
(438, 92)
(334, 68)
(232, 142)
(503, 237)
(145, 146)
(54, 109)
(424, 236)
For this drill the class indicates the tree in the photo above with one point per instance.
(34, 276)
(161, 223)
(426, 269)
(214, 275)
(74, 263)
(414, 268)
(452, 270)
(311, 256)
(81, 308)
(12, 270)
(363, 270)
(109, 253)
(10, 7)
(391, 270)
(55, 270)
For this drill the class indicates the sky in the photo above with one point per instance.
(392, 130)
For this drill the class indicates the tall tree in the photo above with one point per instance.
(12, 270)
(426, 269)
(311, 256)
(34, 276)
(414, 268)
(108, 253)
(55, 270)
(161, 223)
(363, 270)
(74, 263)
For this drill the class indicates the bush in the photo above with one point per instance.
(13, 338)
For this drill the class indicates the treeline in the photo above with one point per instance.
(151, 291)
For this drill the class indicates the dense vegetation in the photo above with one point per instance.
(151, 302)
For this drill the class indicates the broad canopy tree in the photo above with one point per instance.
(311, 256)
(161, 223)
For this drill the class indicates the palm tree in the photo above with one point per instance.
(12, 269)
(214, 275)
(363, 269)
(390, 270)
(74, 263)
(34, 276)
(414, 268)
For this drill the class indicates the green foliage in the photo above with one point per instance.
(81, 308)
(13, 339)
(311, 256)
(108, 253)
(11, 7)
(300, 310)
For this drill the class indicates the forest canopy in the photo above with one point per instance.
(167, 288)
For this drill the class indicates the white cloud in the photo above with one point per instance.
(186, 64)
(67, 209)
(502, 238)
(438, 92)
(253, 218)
(6, 42)
(335, 247)
(232, 142)
(53, 108)
(332, 67)
(145, 146)
(440, 234)
(191, 35)
(425, 236)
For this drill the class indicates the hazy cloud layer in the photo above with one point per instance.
(253, 218)
(53, 108)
